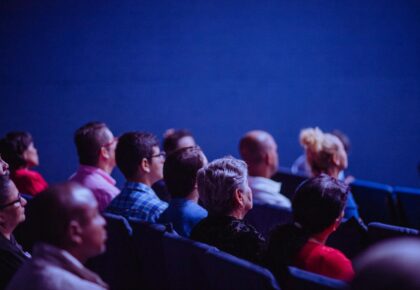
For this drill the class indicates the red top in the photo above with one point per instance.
(29, 181)
(320, 259)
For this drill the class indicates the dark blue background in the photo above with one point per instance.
(219, 68)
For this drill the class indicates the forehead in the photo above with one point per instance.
(186, 141)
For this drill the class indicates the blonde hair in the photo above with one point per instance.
(320, 148)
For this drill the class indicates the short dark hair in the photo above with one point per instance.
(317, 203)
(89, 139)
(170, 142)
(180, 170)
(132, 147)
(13, 147)
(51, 212)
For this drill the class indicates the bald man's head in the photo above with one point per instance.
(259, 150)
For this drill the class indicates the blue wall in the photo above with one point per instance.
(218, 68)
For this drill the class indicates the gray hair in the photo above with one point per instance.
(218, 181)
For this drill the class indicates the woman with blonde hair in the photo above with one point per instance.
(325, 153)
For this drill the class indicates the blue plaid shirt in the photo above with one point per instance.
(137, 201)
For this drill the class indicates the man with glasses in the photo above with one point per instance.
(12, 213)
(95, 145)
(140, 160)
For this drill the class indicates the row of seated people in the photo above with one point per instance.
(69, 230)
(138, 156)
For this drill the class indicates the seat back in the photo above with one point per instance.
(350, 238)
(408, 200)
(289, 181)
(117, 266)
(379, 231)
(183, 262)
(224, 271)
(265, 216)
(149, 248)
(376, 201)
(303, 280)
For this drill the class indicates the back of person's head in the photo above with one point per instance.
(345, 140)
(176, 139)
(13, 147)
(390, 265)
(317, 205)
(180, 170)
(218, 181)
(89, 139)
(321, 149)
(132, 148)
(253, 145)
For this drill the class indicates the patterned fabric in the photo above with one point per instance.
(231, 235)
(184, 214)
(99, 182)
(28, 181)
(52, 268)
(137, 201)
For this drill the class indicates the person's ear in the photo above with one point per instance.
(74, 232)
(145, 165)
(104, 153)
(239, 197)
(336, 159)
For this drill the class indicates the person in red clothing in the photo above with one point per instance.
(18, 150)
(318, 207)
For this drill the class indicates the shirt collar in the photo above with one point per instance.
(97, 170)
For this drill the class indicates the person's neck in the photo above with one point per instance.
(6, 233)
(237, 213)
(193, 196)
(321, 237)
(260, 171)
(141, 179)
(105, 167)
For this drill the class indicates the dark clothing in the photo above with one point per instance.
(11, 258)
(231, 235)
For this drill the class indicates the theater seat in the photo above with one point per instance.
(117, 266)
(289, 181)
(379, 231)
(376, 201)
(265, 216)
(304, 280)
(408, 200)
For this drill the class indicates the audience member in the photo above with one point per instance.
(259, 150)
(12, 212)
(95, 146)
(69, 231)
(317, 211)
(173, 140)
(393, 264)
(140, 160)
(176, 139)
(18, 150)
(224, 191)
(4, 167)
(325, 154)
(180, 174)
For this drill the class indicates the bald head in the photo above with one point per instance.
(259, 150)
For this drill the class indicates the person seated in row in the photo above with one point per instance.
(4, 167)
(173, 139)
(69, 230)
(325, 154)
(225, 193)
(18, 150)
(95, 146)
(318, 207)
(141, 161)
(12, 213)
(259, 150)
(180, 174)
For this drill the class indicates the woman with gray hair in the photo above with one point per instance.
(224, 192)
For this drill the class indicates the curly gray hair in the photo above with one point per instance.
(218, 181)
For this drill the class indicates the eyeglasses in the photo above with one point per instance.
(18, 200)
(161, 154)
